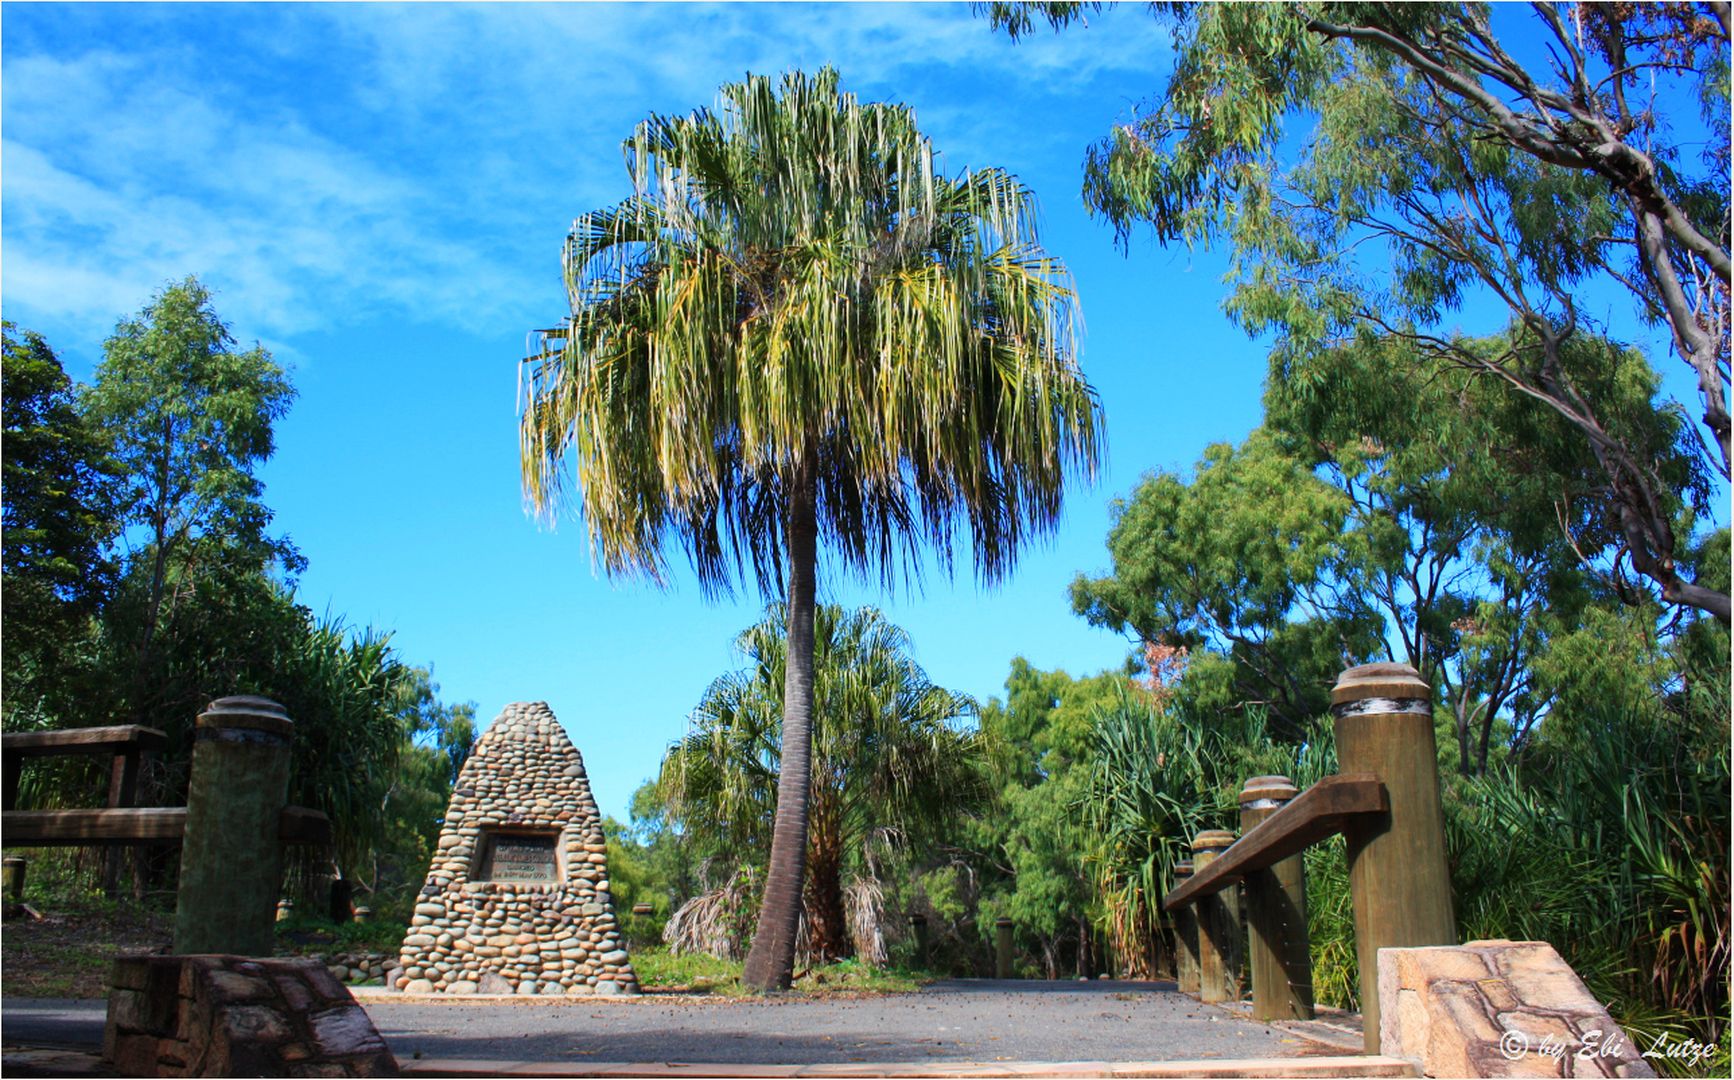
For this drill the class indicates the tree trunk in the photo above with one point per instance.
(771, 961)
(827, 925)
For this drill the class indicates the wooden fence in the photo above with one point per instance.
(1385, 803)
(231, 832)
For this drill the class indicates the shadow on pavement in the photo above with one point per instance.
(1050, 986)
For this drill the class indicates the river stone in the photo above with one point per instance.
(523, 814)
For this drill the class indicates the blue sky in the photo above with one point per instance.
(378, 193)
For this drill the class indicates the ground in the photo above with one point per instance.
(838, 1016)
(67, 955)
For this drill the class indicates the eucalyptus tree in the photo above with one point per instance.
(890, 764)
(1536, 158)
(191, 419)
(797, 328)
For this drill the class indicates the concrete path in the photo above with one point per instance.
(947, 1025)
(979, 1021)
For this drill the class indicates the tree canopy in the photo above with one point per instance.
(1454, 153)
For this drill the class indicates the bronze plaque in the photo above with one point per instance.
(519, 858)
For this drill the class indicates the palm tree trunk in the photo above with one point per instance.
(771, 962)
(827, 925)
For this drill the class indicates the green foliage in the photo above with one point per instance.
(57, 518)
(190, 420)
(1248, 558)
(1610, 839)
(696, 973)
(890, 765)
(162, 452)
(1433, 166)
(796, 292)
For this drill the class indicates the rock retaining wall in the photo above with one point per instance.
(234, 1016)
(1497, 1008)
(517, 899)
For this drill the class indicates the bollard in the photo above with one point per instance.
(1185, 935)
(1278, 948)
(231, 853)
(1216, 923)
(1002, 948)
(918, 923)
(1397, 870)
(12, 885)
(363, 914)
(285, 908)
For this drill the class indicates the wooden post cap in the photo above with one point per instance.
(249, 713)
(1183, 868)
(1267, 789)
(1002, 922)
(1398, 682)
(1212, 840)
(918, 918)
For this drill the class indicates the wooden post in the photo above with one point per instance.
(1278, 948)
(231, 852)
(1215, 920)
(363, 913)
(1185, 935)
(1397, 870)
(918, 923)
(122, 791)
(12, 886)
(1002, 968)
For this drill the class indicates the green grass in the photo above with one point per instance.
(693, 973)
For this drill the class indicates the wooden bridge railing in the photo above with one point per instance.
(232, 830)
(1385, 803)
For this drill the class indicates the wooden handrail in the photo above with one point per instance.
(1317, 813)
(91, 740)
(137, 825)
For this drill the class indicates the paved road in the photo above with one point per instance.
(971, 1021)
(966, 1020)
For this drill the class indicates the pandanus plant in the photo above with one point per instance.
(796, 329)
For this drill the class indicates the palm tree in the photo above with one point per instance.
(888, 762)
(796, 327)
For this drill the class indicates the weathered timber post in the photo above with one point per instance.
(231, 853)
(1185, 935)
(12, 885)
(1002, 948)
(122, 791)
(1397, 871)
(1216, 919)
(1278, 952)
(918, 923)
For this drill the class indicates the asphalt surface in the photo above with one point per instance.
(976, 1020)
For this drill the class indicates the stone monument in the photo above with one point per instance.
(517, 899)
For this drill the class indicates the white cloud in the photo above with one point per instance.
(422, 161)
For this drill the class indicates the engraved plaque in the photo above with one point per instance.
(519, 858)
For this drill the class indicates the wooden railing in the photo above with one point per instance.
(231, 832)
(1385, 803)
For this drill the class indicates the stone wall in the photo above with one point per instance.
(234, 1016)
(1497, 1008)
(517, 899)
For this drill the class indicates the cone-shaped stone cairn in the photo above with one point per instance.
(517, 898)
